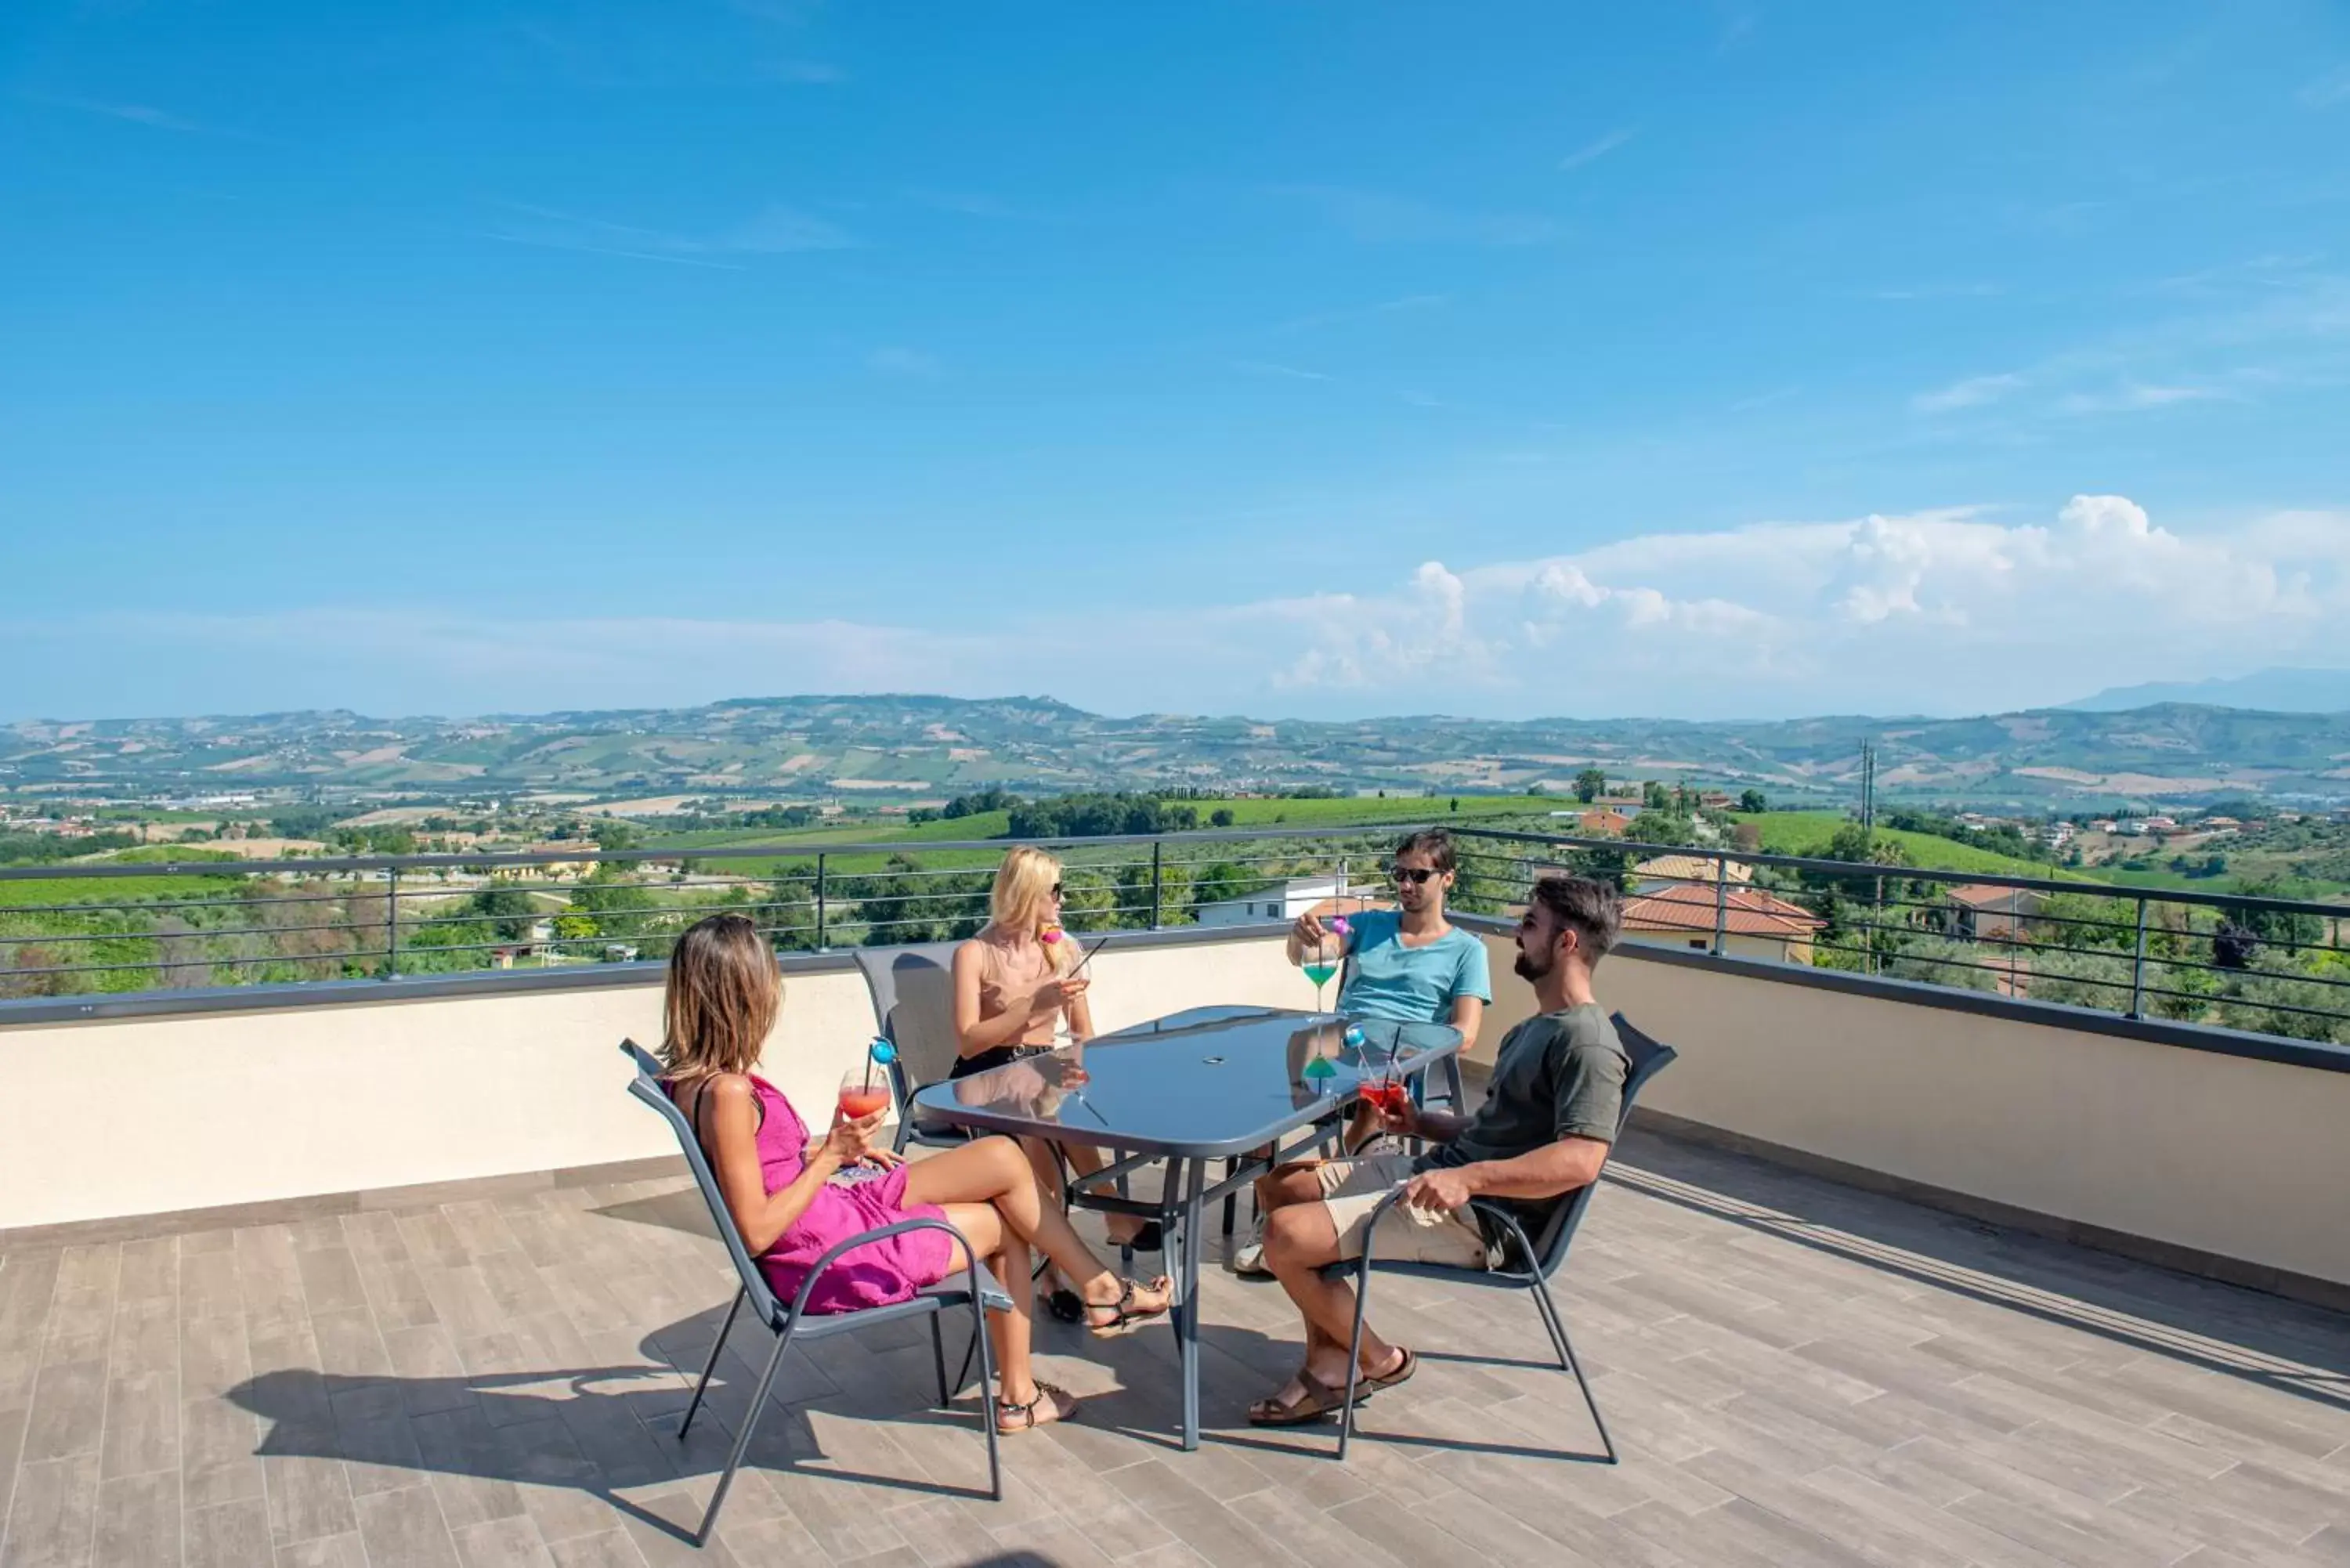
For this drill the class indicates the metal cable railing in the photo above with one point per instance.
(2272, 965)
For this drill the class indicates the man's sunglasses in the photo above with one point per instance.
(1412, 874)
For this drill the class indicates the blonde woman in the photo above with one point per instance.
(1016, 988)
(783, 1188)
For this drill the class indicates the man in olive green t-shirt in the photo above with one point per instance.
(1550, 1114)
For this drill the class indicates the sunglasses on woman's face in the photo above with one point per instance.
(1056, 889)
(1414, 875)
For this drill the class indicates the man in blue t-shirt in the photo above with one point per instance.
(1408, 964)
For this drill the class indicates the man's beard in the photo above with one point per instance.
(1526, 969)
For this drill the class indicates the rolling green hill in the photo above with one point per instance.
(876, 749)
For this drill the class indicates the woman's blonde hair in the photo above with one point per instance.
(722, 997)
(1022, 884)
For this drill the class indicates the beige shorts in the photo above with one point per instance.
(1351, 1189)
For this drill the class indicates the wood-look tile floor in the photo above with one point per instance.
(1796, 1372)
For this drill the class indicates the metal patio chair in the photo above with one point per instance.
(1528, 1268)
(913, 1009)
(976, 1289)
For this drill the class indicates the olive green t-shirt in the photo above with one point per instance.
(1558, 1075)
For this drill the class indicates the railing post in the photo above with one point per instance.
(391, 923)
(820, 904)
(1158, 846)
(1720, 903)
(2137, 966)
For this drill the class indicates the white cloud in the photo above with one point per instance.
(2132, 397)
(1948, 610)
(1942, 610)
(1594, 150)
(1973, 392)
(1272, 367)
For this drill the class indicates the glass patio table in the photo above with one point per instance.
(1184, 1092)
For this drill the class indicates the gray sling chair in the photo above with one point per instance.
(976, 1289)
(913, 1009)
(1525, 1267)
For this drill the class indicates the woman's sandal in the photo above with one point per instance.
(1125, 1314)
(1317, 1400)
(1061, 1403)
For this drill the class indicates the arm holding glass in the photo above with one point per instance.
(976, 1033)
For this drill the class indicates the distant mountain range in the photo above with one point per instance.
(2268, 690)
(899, 749)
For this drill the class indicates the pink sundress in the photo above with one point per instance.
(875, 1274)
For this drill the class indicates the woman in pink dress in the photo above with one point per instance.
(794, 1196)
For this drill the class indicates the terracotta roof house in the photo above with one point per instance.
(1675, 870)
(1755, 922)
(1982, 913)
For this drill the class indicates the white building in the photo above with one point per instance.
(1285, 902)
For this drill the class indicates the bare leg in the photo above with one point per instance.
(995, 1171)
(1299, 1242)
(1006, 1331)
(1085, 1161)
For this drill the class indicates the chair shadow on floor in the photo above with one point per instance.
(1241, 1365)
(610, 1431)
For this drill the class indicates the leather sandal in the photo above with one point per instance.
(1317, 1400)
(1365, 1385)
(1124, 1314)
(1062, 1404)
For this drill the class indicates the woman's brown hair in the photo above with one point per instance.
(723, 998)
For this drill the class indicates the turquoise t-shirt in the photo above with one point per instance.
(1387, 980)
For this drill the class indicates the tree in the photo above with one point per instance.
(788, 914)
(1221, 881)
(2081, 978)
(1938, 961)
(1221, 817)
(1100, 816)
(2086, 920)
(1089, 900)
(974, 804)
(903, 906)
(1590, 784)
(1654, 795)
(1456, 802)
(622, 910)
(512, 911)
(1747, 836)
(1133, 901)
(1752, 802)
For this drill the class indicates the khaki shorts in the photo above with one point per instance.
(1351, 1189)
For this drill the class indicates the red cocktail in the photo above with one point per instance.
(864, 1089)
(857, 1104)
(1386, 1096)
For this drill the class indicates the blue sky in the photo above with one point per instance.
(1704, 359)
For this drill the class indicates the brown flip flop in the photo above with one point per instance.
(1320, 1400)
(1367, 1384)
